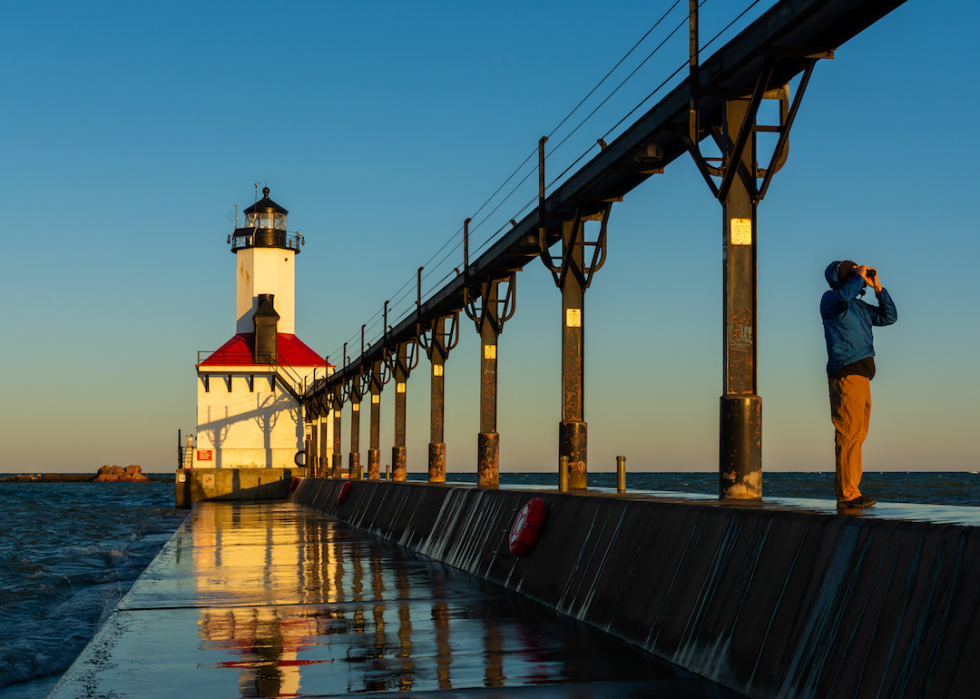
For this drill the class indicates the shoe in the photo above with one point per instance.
(858, 503)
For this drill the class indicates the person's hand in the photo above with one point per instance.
(874, 281)
(864, 271)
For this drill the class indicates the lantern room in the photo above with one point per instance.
(265, 227)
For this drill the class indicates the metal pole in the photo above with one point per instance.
(306, 449)
(324, 445)
(312, 460)
(437, 403)
(354, 464)
(740, 443)
(563, 474)
(488, 441)
(620, 474)
(338, 453)
(399, 465)
(374, 452)
(573, 431)
(693, 81)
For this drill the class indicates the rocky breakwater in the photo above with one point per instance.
(23, 478)
(113, 474)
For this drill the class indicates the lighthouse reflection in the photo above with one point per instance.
(294, 604)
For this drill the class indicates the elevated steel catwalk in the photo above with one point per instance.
(790, 34)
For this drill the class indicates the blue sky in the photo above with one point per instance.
(132, 129)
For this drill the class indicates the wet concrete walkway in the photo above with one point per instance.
(275, 600)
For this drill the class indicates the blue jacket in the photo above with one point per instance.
(847, 320)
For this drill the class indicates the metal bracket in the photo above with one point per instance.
(505, 307)
(787, 115)
(559, 272)
(782, 145)
(393, 361)
(381, 371)
(442, 344)
(734, 158)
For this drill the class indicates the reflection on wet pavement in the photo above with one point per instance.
(274, 600)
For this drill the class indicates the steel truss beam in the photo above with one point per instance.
(728, 87)
(786, 34)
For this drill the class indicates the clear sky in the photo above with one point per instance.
(131, 130)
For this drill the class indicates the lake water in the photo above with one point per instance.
(70, 551)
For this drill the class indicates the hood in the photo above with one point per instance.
(831, 274)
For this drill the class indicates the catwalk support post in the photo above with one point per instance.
(438, 342)
(354, 462)
(573, 276)
(740, 430)
(489, 313)
(399, 462)
(337, 460)
(739, 192)
(488, 440)
(378, 380)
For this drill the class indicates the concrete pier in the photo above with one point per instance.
(271, 599)
(769, 600)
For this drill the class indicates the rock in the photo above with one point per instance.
(115, 474)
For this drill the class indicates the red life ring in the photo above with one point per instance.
(527, 527)
(344, 492)
(293, 484)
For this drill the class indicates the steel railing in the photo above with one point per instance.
(268, 238)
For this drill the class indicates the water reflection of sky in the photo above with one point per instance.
(273, 600)
(358, 614)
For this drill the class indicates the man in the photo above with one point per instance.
(847, 322)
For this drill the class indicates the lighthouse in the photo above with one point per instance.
(249, 414)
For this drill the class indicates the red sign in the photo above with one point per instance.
(204, 455)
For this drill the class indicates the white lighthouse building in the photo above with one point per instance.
(248, 411)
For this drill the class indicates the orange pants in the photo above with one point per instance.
(850, 409)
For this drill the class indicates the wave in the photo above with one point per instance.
(68, 553)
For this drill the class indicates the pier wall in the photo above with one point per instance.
(770, 603)
(193, 484)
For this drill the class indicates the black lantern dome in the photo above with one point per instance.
(265, 227)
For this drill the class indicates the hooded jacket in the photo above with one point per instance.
(847, 320)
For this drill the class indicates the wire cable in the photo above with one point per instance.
(642, 39)
(431, 270)
(625, 80)
(575, 109)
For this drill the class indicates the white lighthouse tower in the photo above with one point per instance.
(249, 415)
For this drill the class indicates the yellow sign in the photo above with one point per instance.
(399, 388)
(375, 398)
(741, 231)
(490, 351)
(437, 369)
(573, 318)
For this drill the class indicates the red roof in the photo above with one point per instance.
(239, 351)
